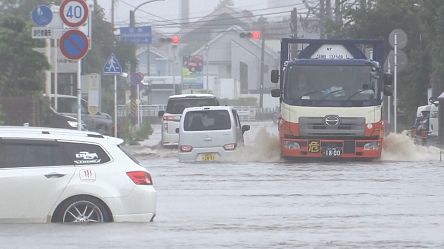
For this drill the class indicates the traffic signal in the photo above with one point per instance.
(254, 35)
(175, 39)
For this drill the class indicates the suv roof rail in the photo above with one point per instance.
(94, 135)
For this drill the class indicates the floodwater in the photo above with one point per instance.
(259, 201)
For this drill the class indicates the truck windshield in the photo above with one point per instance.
(335, 82)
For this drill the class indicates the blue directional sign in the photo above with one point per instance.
(41, 15)
(74, 44)
(112, 66)
(138, 35)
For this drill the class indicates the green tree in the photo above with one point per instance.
(22, 67)
(103, 44)
(375, 19)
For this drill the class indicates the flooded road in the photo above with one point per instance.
(261, 202)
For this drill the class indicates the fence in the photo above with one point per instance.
(246, 113)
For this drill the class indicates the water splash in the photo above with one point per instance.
(400, 147)
(264, 147)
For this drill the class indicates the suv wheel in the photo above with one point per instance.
(82, 209)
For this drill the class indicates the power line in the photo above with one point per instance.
(220, 19)
(177, 21)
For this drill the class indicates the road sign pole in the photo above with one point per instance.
(79, 95)
(56, 74)
(395, 83)
(115, 105)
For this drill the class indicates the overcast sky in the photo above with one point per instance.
(169, 9)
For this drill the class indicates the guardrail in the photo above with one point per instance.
(246, 113)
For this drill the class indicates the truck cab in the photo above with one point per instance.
(331, 94)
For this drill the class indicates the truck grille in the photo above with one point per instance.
(323, 126)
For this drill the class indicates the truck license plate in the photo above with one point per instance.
(208, 156)
(332, 152)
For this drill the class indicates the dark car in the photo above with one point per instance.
(100, 122)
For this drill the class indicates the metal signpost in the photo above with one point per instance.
(74, 43)
(112, 67)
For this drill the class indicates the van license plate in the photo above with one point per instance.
(332, 152)
(208, 157)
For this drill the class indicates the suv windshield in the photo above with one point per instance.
(177, 105)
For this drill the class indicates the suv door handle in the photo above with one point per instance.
(54, 175)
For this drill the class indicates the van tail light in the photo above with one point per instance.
(185, 148)
(170, 118)
(230, 146)
(140, 177)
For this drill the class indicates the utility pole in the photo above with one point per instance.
(338, 12)
(113, 2)
(322, 18)
(261, 96)
(294, 22)
(133, 64)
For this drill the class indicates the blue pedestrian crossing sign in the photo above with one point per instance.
(112, 66)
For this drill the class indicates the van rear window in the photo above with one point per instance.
(207, 120)
(176, 106)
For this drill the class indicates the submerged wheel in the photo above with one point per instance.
(82, 209)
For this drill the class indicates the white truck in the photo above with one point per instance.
(432, 109)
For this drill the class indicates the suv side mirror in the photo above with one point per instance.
(275, 93)
(160, 114)
(245, 128)
(275, 76)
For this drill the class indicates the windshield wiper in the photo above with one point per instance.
(358, 92)
(330, 93)
(310, 93)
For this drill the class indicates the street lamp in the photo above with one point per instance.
(133, 25)
(133, 67)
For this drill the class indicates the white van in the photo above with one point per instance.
(175, 106)
(209, 133)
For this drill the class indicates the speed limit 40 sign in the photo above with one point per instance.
(74, 12)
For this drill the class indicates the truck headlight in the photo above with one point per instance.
(371, 146)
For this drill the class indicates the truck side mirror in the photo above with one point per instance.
(275, 76)
(434, 101)
(160, 114)
(177, 130)
(245, 128)
(275, 93)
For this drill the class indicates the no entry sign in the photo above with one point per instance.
(74, 44)
(74, 12)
